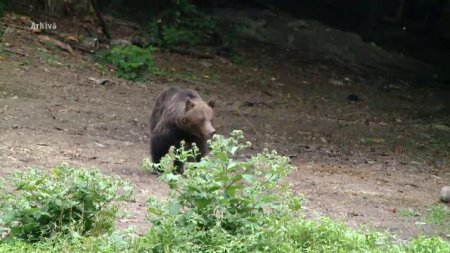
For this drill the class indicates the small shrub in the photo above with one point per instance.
(184, 24)
(117, 241)
(225, 204)
(238, 59)
(423, 245)
(439, 214)
(222, 200)
(132, 62)
(173, 36)
(66, 200)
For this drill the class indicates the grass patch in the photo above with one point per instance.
(238, 60)
(408, 212)
(439, 214)
(48, 58)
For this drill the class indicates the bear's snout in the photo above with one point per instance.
(209, 131)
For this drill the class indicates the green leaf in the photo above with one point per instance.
(174, 208)
(202, 203)
(171, 179)
(233, 150)
(231, 191)
(249, 178)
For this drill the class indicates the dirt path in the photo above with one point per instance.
(359, 162)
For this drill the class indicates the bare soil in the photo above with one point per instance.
(360, 162)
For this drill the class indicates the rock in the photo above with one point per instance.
(90, 43)
(99, 81)
(445, 194)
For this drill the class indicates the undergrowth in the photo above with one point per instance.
(439, 214)
(3, 5)
(67, 200)
(130, 62)
(184, 24)
(221, 204)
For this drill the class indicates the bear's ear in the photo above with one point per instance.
(211, 103)
(189, 105)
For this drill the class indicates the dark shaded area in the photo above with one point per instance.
(416, 28)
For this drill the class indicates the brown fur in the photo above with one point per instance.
(177, 115)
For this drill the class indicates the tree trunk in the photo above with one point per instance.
(105, 29)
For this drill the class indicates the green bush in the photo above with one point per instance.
(173, 36)
(439, 214)
(184, 24)
(66, 200)
(132, 62)
(222, 202)
(117, 241)
(225, 204)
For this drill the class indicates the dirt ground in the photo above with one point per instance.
(360, 162)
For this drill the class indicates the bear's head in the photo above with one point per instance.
(197, 118)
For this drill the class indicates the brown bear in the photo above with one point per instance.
(180, 115)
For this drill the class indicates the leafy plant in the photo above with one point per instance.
(226, 204)
(132, 62)
(184, 24)
(173, 36)
(222, 198)
(439, 214)
(238, 59)
(66, 200)
(117, 241)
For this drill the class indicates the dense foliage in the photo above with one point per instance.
(130, 62)
(41, 205)
(183, 24)
(223, 202)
